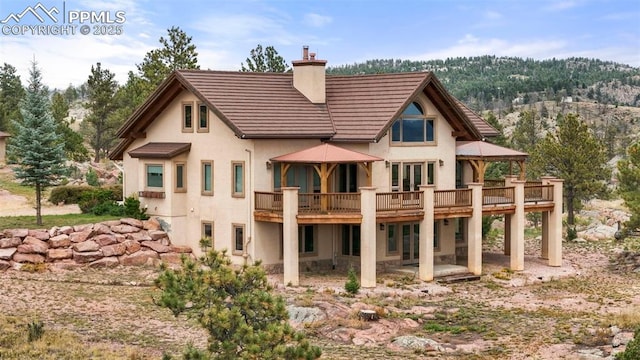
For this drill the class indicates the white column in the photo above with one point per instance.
(290, 235)
(517, 227)
(544, 246)
(474, 230)
(555, 225)
(368, 237)
(425, 268)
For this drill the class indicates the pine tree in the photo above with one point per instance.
(236, 307)
(11, 92)
(101, 88)
(35, 145)
(629, 183)
(574, 154)
(264, 61)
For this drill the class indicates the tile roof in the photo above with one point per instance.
(160, 150)
(326, 153)
(261, 105)
(483, 149)
(484, 127)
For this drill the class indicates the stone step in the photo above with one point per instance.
(456, 278)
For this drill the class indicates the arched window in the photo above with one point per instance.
(413, 126)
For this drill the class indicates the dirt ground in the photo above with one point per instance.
(540, 313)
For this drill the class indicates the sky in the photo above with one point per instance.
(339, 31)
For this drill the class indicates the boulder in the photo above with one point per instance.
(100, 229)
(151, 224)
(132, 246)
(39, 246)
(20, 233)
(107, 262)
(7, 253)
(83, 227)
(133, 222)
(53, 232)
(157, 234)
(59, 254)
(120, 238)
(80, 236)
(65, 230)
(114, 250)
(156, 246)
(111, 223)
(304, 315)
(141, 257)
(4, 265)
(66, 264)
(124, 229)
(139, 236)
(10, 242)
(87, 257)
(105, 239)
(39, 234)
(59, 241)
(417, 343)
(28, 258)
(86, 246)
(171, 258)
(182, 249)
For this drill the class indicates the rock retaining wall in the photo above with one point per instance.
(106, 244)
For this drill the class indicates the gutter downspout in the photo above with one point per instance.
(249, 175)
(123, 180)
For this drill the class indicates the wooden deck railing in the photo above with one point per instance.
(268, 201)
(536, 193)
(329, 203)
(390, 201)
(452, 198)
(498, 195)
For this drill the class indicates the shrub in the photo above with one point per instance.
(90, 199)
(35, 330)
(132, 208)
(236, 306)
(632, 351)
(73, 194)
(352, 285)
(572, 233)
(487, 221)
(92, 178)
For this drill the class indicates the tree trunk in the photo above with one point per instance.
(38, 204)
(570, 217)
(98, 144)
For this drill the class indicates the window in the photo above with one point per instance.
(207, 177)
(154, 176)
(306, 240)
(411, 175)
(413, 127)
(180, 178)
(347, 178)
(187, 117)
(207, 232)
(351, 240)
(203, 118)
(431, 172)
(392, 239)
(237, 167)
(238, 239)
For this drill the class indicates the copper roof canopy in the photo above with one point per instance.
(480, 152)
(160, 150)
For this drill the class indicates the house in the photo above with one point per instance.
(3, 146)
(305, 170)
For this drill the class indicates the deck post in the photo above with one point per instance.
(425, 267)
(544, 246)
(474, 230)
(290, 235)
(517, 227)
(555, 225)
(507, 219)
(368, 237)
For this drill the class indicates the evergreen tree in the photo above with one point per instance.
(264, 61)
(574, 154)
(243, 318)
(101, 89)
(177, 52)
(35, 144)
(496, 170)
(11, 92)
(74, 148)
(629, 183)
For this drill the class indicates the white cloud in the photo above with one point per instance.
(317, 20)
(492, 15)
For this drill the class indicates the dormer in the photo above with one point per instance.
(309, 76)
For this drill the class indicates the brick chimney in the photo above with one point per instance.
(309, 76)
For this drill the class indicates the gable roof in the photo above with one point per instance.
(359, 108)
(325, 153)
